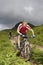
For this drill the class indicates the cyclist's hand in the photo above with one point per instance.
(33, 36)
(20, 34)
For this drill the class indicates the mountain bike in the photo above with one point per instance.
(26, 50)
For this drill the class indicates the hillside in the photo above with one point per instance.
(38, 35)
(8, 54)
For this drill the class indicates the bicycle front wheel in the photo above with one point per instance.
(27, 51)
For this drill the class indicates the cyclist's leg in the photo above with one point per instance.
(18, 41)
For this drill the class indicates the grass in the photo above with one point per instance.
(8, 54)
(38, 35)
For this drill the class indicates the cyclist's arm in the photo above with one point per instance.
(29, 28)
(32, 31)
(18, 29)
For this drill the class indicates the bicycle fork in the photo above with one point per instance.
(26, 43)
(25, 48)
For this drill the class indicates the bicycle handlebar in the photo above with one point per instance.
(27, 36)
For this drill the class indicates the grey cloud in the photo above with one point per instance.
(13, 11)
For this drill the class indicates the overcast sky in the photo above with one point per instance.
(13, 11)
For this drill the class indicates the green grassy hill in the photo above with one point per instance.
(38, 35)
(8, 54)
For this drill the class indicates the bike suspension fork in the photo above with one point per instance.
(25, 47)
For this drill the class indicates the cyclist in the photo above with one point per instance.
(21, 30)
